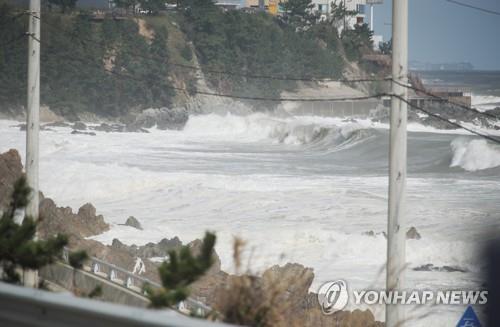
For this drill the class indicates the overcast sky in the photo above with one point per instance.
(441, 31)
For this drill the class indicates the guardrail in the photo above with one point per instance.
(126, 279)
(22, 306)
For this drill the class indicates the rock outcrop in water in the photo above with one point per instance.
(86, 222)
(413, 234)
(162, 118)
(431, 267)
(133, 222)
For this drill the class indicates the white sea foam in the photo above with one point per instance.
(485, 102)
(474, 154)
(271, 181)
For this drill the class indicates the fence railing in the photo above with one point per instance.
(127, 279)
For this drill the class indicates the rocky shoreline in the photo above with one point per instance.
(305, 310)
(176, 118)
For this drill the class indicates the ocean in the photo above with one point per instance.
(485, 85)
(300, 189)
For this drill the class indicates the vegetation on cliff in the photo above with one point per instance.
(84, 64)
(109, 67)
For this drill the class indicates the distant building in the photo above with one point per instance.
(231, 4)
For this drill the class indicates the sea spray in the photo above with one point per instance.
(475, 154)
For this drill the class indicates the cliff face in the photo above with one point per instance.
(11, 170)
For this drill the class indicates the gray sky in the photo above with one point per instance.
(441, 31)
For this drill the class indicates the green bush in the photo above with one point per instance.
(18, 248)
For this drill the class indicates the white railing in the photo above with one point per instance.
(126, 279)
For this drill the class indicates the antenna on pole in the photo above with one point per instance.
(396, 227)
(30, 277)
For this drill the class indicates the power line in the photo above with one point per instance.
(243, 97)
(233, 96)
(474, 7)
(488, 137)
(289, 78)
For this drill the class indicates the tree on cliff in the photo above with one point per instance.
(179, 271)
(152, 6)
(299, 13)
(386, 47)
(357, 41)
(339, 13)
(64, 5)
(126, 4)
(18, 249)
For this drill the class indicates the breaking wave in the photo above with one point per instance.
(473, 155)
(280, 130)
(485, 102)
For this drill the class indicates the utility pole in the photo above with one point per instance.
(30, 277)
(371, 17)
(396, 227)
(344, 17)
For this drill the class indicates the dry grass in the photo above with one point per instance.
(264, 301)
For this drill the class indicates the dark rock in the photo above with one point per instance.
(75, 132)
(291, 284)
(22, 127)
(426, 267)
(159, 249)
(453, 269)
(104, 128)
(413, 234)
(437, 123)
(373, 234)
(132, 128)
(494, 112)
(55, 219)
(151, 249)
(79, 126)
(163, 118)
(297, 278)
(133, 222)
(57, 124)
(11, 169)
(431, 267)
(119, 128)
